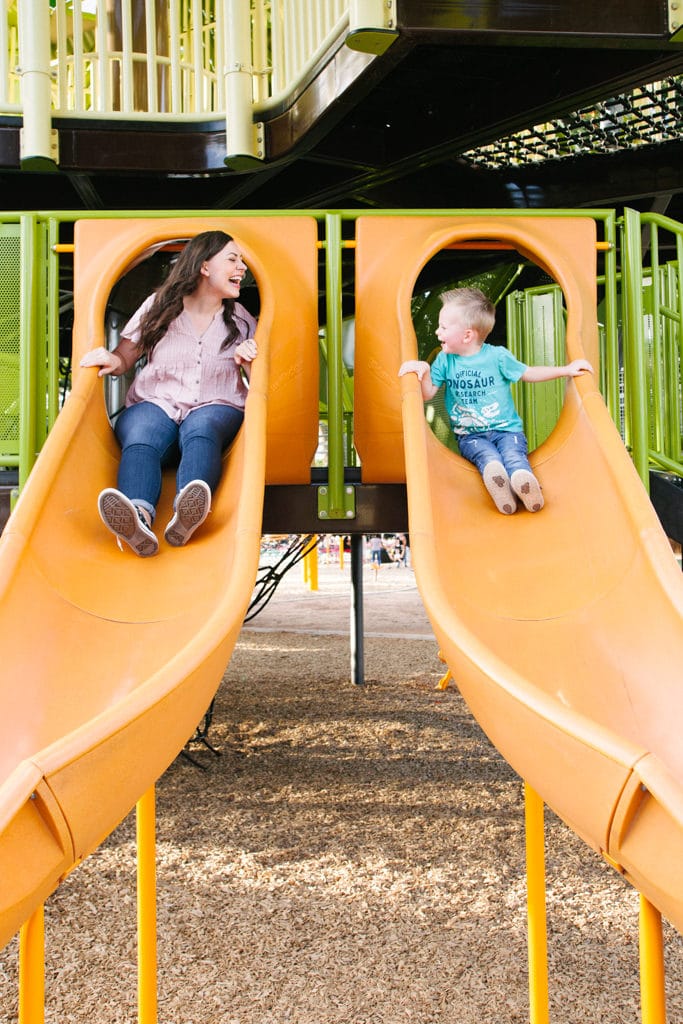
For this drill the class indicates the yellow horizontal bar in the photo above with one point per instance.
(70, 247)
(351, 244)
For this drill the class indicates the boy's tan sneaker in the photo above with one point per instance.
(528, 490)
(497, 483)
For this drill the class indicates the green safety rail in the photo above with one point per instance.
(653, 342)
(29, 339)
(10, 341)
(536, 335)
(639, 309)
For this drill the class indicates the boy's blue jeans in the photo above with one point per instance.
(150, 440)
(506, 446)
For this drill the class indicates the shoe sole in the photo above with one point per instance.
(192, 508)
(120, 517)
(528, 490)
(497, 484)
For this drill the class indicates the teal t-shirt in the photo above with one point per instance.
(478, 395)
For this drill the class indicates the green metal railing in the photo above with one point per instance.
(536, 335)
(10, 341)
(29, 345)
(652, 328)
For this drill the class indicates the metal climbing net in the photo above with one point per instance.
(649, 115)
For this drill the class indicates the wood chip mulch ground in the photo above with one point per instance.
(353, 855)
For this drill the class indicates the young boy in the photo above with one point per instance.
(478, 397)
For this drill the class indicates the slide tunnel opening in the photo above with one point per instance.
(530, 321)
(145, 275)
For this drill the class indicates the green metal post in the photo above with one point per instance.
(528, 405)
(52, 323)
(656, 389)
(634, 348)
(611, 350)
(671, 340)
(676, 351)
(335, 500)
(27, 348)
(40, 335)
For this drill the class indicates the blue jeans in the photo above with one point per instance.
(506, 446)
(150, 441)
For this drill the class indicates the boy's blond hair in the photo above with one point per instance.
(477, 310)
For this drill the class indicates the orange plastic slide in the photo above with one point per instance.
(110, 661)
(562, 628)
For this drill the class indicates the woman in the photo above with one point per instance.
(186, 404)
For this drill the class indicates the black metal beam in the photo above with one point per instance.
(609, 23)
(600, 179)
(293, 508)
(666, 494)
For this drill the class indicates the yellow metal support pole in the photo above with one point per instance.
(32, 969)
(311, 564)
(652, 974)
(341, 552)
(446, 677)
(147, 909)
(445, 680)
(536, 915)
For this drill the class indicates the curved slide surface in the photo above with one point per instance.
(110, 661)
(561, 629)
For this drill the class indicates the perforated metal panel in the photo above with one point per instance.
(10, 326)
(650, 115)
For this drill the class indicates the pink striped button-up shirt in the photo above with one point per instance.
(188, 370)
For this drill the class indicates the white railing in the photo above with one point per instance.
(136, 63)
(192, 60)
(181, 60)
(286, 48)
(135, 59)
(9, 59)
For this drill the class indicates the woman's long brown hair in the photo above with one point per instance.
(183, 280)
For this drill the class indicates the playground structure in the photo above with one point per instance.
(563, 655)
